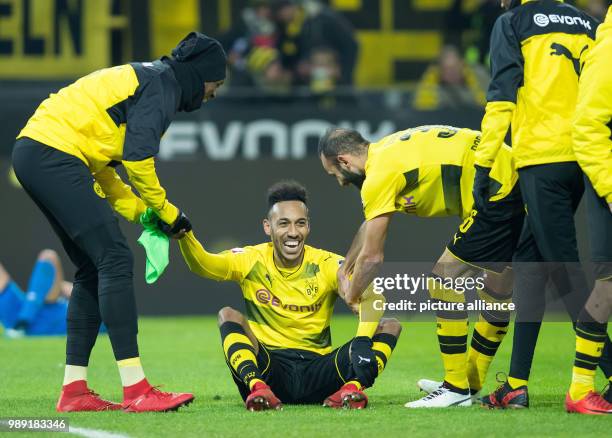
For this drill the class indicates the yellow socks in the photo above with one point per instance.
(590, 339)
(240, 353)
(486, 339)
(516, 383)
(383, 345)
(452, 336)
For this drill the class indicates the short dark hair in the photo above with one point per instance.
(287, 190)
(338, 141)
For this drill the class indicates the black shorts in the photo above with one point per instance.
(599, 219)
(488, 239)
(299, 376)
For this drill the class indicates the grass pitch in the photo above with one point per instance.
(185, 354)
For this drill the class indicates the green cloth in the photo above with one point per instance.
(156, 245)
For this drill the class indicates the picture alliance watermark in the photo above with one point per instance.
(430, 294)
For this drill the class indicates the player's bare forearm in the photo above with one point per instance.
(370, 257)
(356, 246)
(366, 269)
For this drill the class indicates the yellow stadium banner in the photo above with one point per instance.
(53, 39)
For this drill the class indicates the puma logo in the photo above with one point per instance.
(364, 359)
(561, 50)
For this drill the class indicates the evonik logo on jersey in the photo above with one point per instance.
(544, 20)
(264, 296)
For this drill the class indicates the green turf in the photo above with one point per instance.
(185, 355)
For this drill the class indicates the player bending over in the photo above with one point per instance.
(428, 171)
(280, 352)
(65, 159)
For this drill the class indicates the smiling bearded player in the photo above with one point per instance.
(281, 352)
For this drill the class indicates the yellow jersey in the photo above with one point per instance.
(285, 309)
(114, 116)
(429, 171)
(592, 130)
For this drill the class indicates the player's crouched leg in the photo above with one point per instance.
(241, 349)
(368, 358)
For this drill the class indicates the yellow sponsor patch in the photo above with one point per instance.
(98, 189)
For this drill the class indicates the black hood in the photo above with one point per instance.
(195, 60)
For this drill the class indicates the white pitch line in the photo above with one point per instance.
(95, 433)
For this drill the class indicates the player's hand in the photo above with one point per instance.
(481, 188)
(610, 206)
(343, 283)
(178, 229)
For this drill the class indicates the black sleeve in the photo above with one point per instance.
(506, 62)
(146, 121)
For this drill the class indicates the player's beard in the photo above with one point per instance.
(356, 179)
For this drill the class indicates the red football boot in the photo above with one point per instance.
(262, 398)
(347, 397)
(142, 397)
(591, 404)
(77, 397)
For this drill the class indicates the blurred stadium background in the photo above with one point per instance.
(297, 67)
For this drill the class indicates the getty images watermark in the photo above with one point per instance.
(526, 292)
(443, 294)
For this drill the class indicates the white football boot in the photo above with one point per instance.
(430, 386)
(441, 398)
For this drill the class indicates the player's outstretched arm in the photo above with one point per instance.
(120, 195)
(205, 264)
(370, 257)
(144, 178)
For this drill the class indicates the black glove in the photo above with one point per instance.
(181, 223)
(364, 361)
(480, 190)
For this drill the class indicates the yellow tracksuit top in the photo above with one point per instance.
(114, 116)
(537, 53)
(593, 120)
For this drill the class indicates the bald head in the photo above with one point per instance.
(339, 141)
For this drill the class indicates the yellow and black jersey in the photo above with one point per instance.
(114, 116)
(285, 309)
(537, 54)
(592, 131)
(429, 171)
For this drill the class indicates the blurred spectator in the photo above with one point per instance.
(305, 25)
(267, 72)
(451, 83)
(255, 30)
(324, 71)
(472, 28)
(597, 9)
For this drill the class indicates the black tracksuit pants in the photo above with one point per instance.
(62, 187)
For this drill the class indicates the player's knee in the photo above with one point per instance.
(49, 255)
(391, 326)
(229, 314)
(4, 277)
(117, 262)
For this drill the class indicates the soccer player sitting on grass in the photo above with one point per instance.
(280, 352)
(42, 310)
